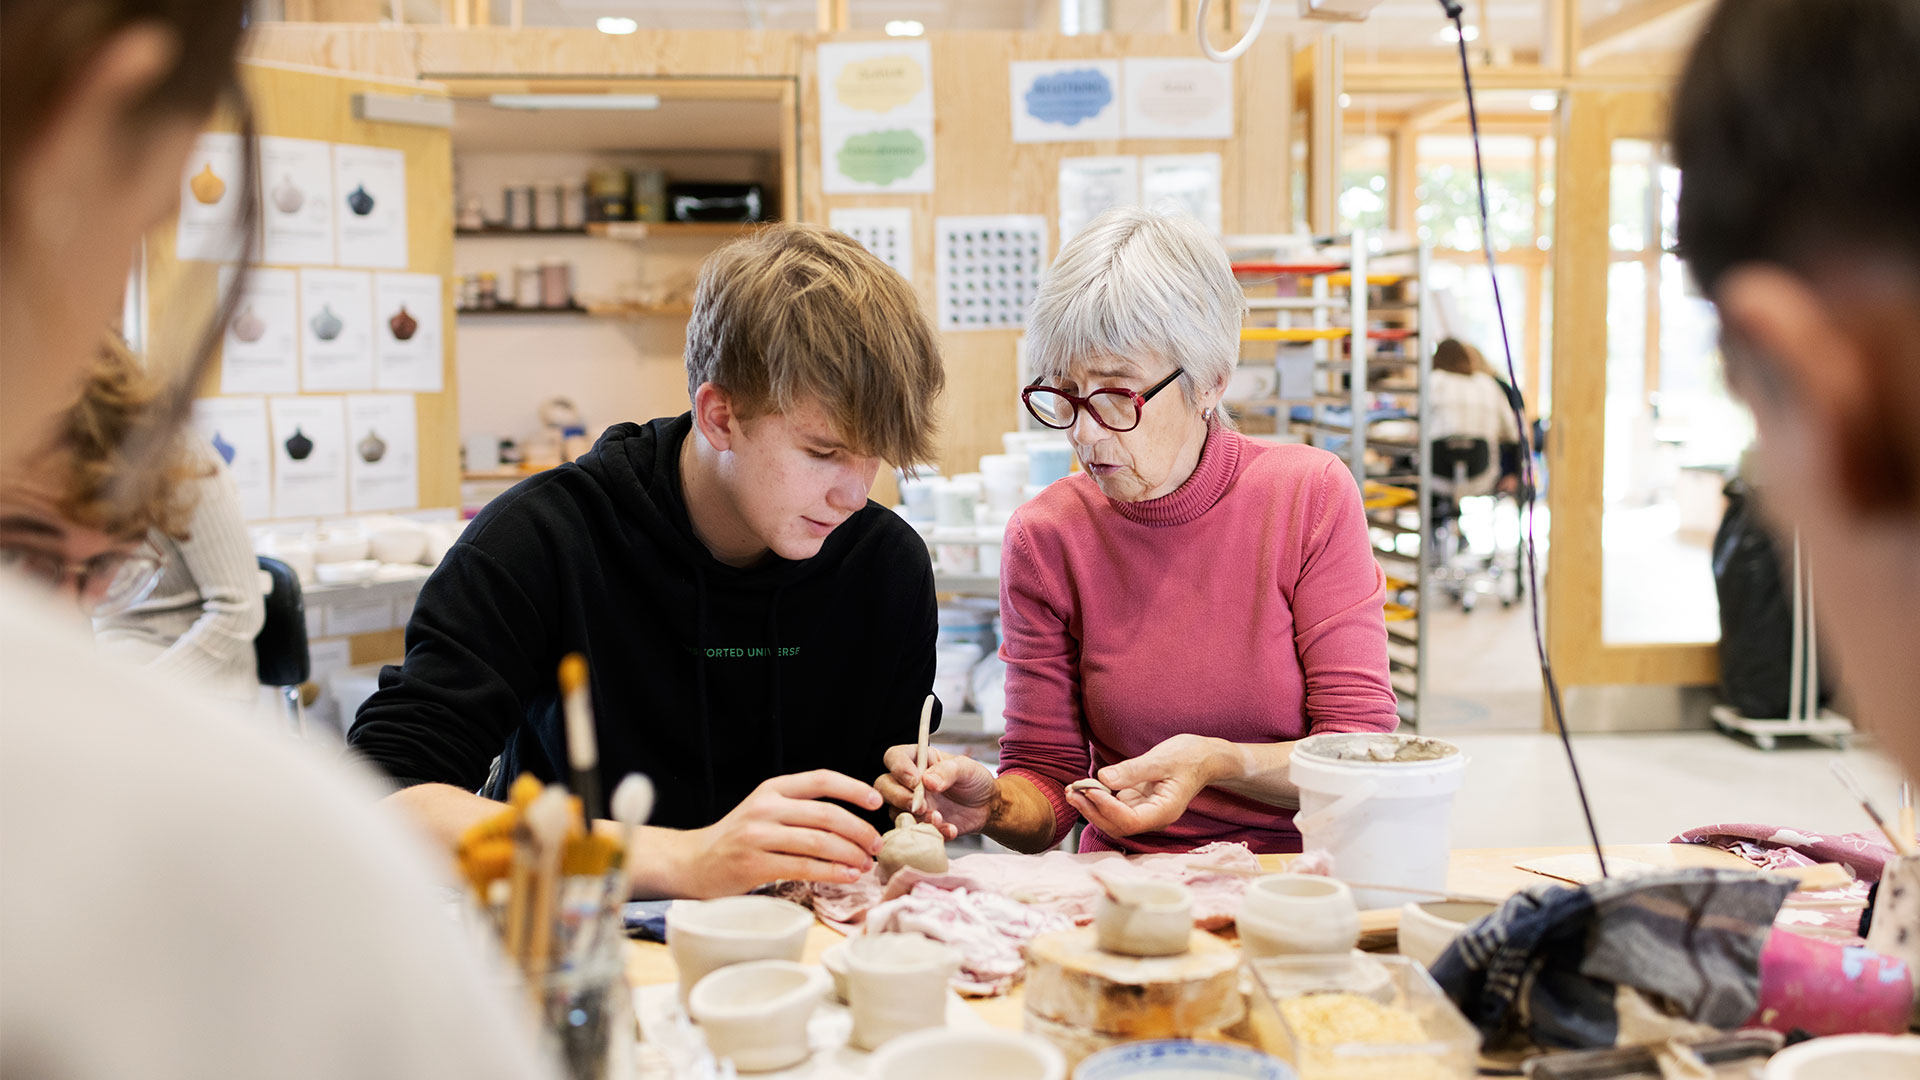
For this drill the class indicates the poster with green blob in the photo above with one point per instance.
(876, 117)
(881, 157)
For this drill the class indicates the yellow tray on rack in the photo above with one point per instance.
(1378, 496)
(1398, 612)
(1292, 333)
(1341, 278)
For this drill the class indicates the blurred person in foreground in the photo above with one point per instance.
(1797, 131)
(186, 897)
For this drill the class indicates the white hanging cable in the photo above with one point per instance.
(1241, 46)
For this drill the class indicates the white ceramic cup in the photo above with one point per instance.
(1426, 929)
(896, 984)
(969, 1055)
(707, 935)
(755, 1014)
(1152, 918)
(1298, 914)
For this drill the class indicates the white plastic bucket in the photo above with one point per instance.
(1384, 822)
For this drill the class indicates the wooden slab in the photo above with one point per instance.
(1072, 982)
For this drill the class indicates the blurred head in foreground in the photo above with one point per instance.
(1797, 131)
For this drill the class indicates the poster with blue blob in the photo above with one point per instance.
(1065, 100)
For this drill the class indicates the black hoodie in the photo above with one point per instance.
(708, 678)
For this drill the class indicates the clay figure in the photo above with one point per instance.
(912, 843)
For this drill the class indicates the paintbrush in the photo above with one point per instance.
(1902, 846)
(547, 823)
(1906, 811)
(920, 756)
(583, 748)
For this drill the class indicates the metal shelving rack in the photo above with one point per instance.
(1334, 313)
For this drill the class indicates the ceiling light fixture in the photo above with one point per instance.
(1449, 35)
(1346, 100)
(616, 24)
(1544, 102)
(905, 28)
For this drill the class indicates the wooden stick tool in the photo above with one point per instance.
(583, 746)
(920, 757)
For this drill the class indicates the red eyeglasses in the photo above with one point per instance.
(1115, 408)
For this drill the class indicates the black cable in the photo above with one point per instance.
(1528, 491)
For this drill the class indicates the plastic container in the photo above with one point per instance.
(1049, 461)
(916, 495)
(1448, 1046)
(1004, 477)
(966, 622)
(1381, 806)
(1830, 988)
(954, 502)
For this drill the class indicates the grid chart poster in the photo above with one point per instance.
(987, 269)
(885, 231)
(876, 117)
(1065, 101)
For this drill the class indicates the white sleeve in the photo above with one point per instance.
(218, 555)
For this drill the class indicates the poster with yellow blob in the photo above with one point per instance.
(876, 117)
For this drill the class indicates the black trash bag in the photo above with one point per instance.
(1756, 611)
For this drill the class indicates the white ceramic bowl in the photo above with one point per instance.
(1849, 1057)
(1426, 929)
(706, 935)
(1178, 1059)
(834, 959)
(340, 545)
(968, 1055)
(1296, 914)
(756, 1014)
(397, 540)
(1153, 918)
(346, 573)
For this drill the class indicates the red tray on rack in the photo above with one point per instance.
(1286, 268)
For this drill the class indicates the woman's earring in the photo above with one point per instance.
(1207, 414)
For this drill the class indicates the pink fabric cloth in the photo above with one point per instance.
(1245, 605)
(1771, 847)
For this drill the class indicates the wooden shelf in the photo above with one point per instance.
(595, 311)
(1292, 333)
(617, 230)
(644, 230)
(528, 234)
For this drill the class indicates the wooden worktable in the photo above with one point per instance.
(1480, 871)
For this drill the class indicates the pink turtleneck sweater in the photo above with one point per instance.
(1246, 605)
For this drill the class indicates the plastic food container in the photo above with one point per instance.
(1414, 1033)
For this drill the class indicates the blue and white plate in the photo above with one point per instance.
(1179, 1059)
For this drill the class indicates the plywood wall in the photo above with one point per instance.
(306, 103)
(979, 169)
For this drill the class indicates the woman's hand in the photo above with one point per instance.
(961, 792)
(1152, 791)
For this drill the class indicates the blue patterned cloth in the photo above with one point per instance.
(1543, 969)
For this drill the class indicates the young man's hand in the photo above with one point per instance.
(780, 832)
(961, 792)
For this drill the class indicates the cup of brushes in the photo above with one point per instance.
(554, 889)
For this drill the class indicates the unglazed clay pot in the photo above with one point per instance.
(707, 935)
(755, 1014)
(911, 843)
(403, 324)
(206, 185)
(247, 326)
(298, 445)
(896, 984)
(1144, 918)
(326, 325)
(1298, 914)
(372, 449)
(359, 201)
(969, 1055)
(287, 196)
(1426, 929)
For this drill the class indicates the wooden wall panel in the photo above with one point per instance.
(307, 103)
(979, 169)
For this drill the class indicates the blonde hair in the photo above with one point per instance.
(796, 312)
(1139, 282)
(111, 481)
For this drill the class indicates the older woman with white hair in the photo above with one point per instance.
(1181, 613)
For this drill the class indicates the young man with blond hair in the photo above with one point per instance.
(757, 632)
